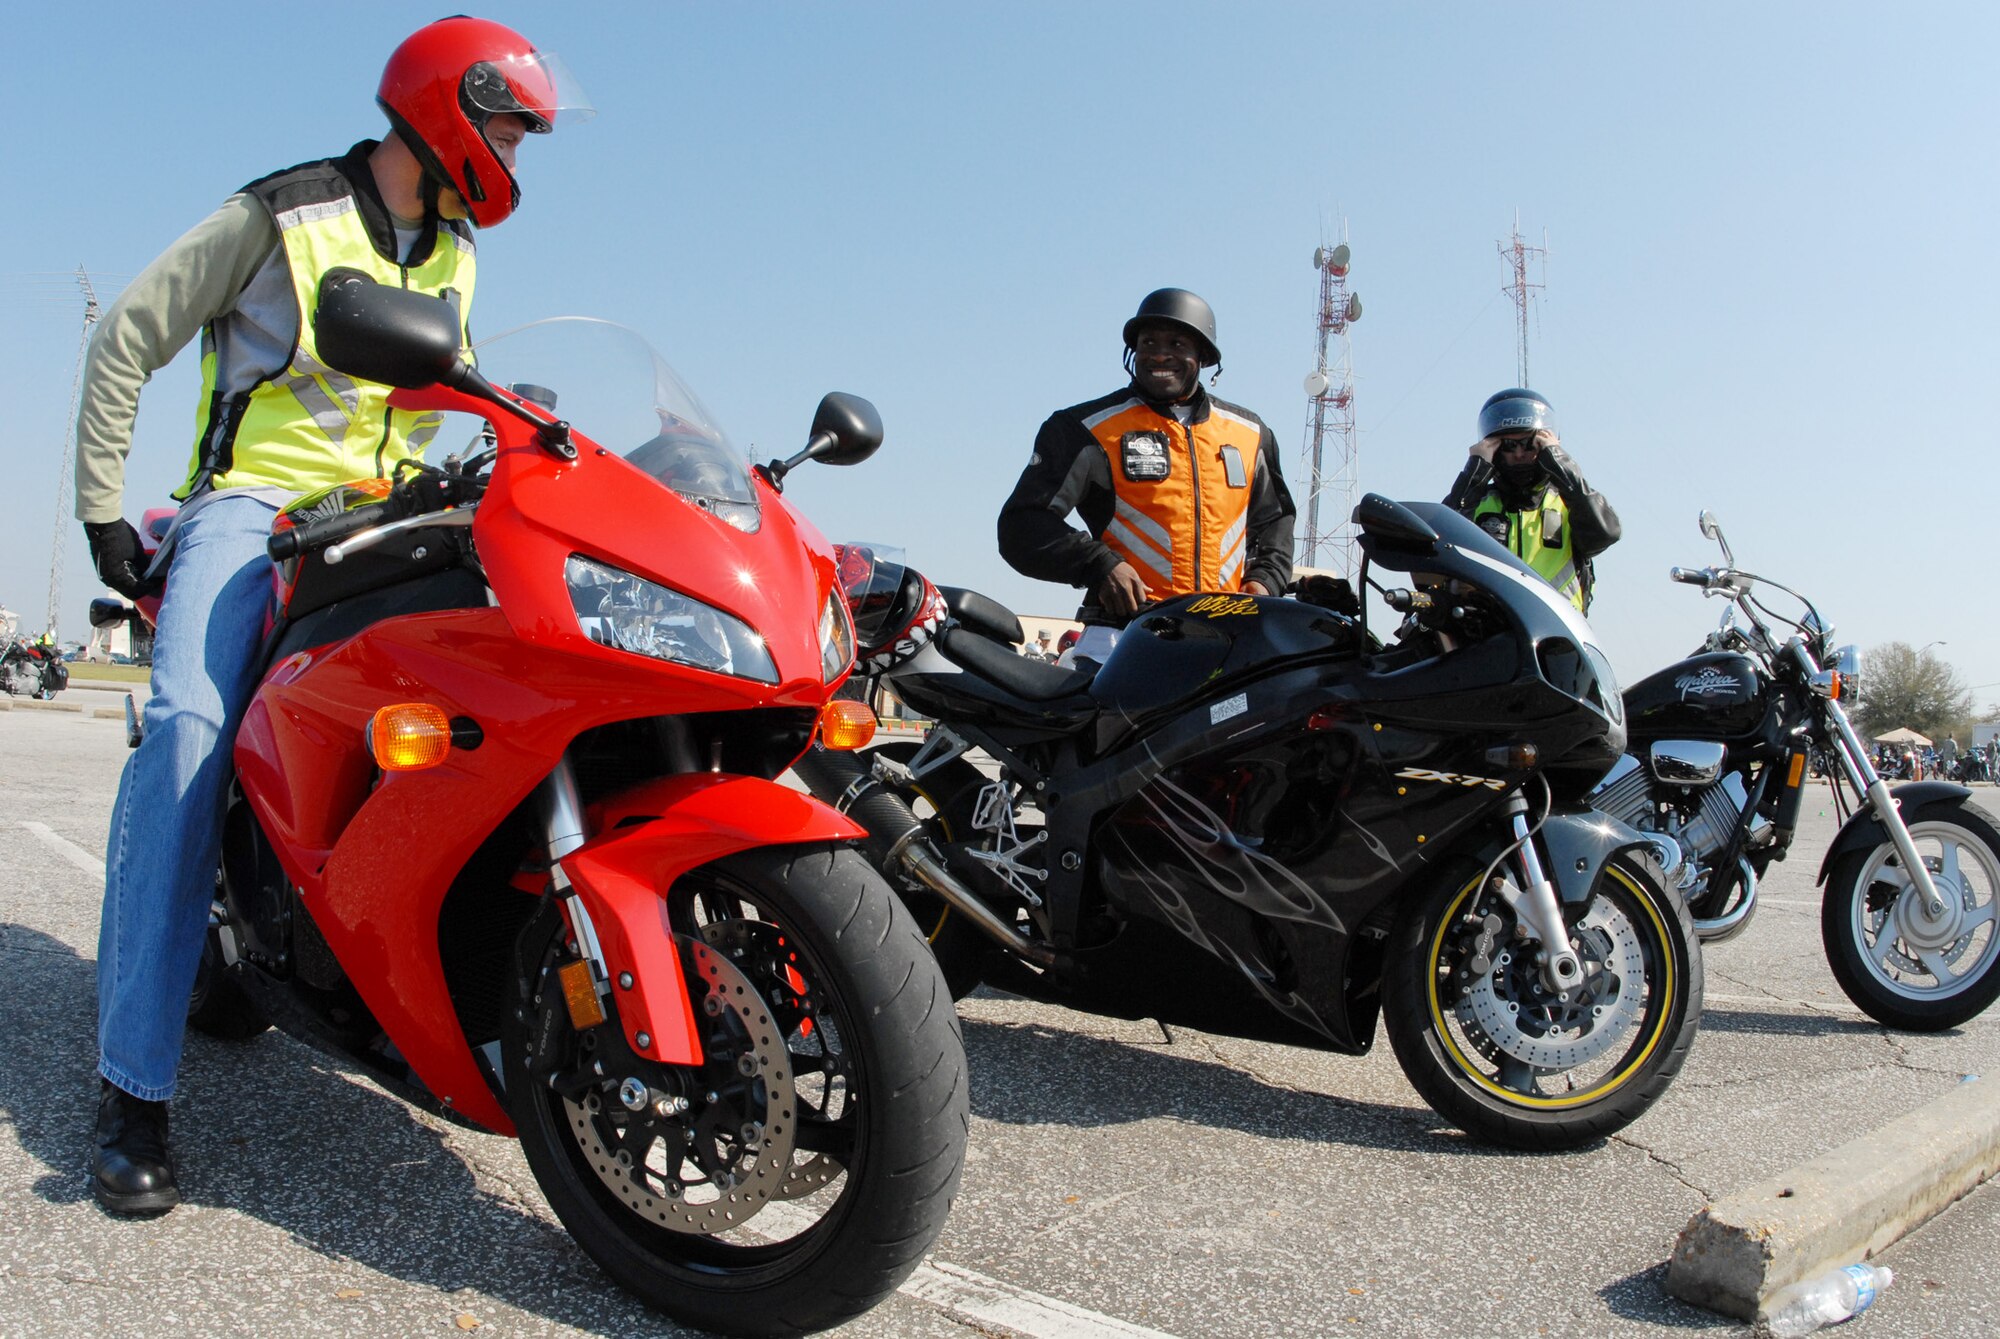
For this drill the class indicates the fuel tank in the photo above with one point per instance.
(1714, 695)
(1167, 656)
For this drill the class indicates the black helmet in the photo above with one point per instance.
(1515, 410)
(1177, 306)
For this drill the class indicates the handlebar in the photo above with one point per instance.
(1690, 576)
(328, 530)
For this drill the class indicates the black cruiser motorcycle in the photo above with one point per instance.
(1256, 819)
(1717, 774)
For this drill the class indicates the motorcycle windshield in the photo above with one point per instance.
(608, 381)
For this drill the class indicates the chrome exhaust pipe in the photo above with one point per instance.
(1737, 919)
(916, 856)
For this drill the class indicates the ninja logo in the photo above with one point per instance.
(1144, 456)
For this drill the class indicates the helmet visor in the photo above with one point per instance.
(534, 84)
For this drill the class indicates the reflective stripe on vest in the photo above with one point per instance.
(305, 426)
(1179, 520)
(1554, 563)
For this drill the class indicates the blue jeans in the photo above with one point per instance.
(166, 828)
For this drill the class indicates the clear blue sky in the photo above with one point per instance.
(1770, 288)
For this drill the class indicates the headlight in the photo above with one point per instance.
(836, 638)
(615, 608)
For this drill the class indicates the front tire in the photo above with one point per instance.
(782, 1203)
(1901, 966)
(1510, 1063)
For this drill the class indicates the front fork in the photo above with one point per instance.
(1535, 903)
(1861, 774)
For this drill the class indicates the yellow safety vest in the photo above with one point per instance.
(305, 426)
(1527, 534)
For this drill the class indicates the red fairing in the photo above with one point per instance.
(375, 854)
(623, 876)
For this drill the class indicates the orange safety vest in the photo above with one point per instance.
(1183, 494)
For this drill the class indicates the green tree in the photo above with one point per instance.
(1901, 687)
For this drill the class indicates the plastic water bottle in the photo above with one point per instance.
(1826, 1300)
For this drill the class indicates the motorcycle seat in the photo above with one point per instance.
(1031, 681)
(987, 617)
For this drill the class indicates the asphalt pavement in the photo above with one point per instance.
(1122, 1179)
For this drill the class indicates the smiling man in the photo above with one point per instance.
(1178, 491)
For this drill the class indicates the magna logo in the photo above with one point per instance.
(1449, 778)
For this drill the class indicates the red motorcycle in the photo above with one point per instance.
(32, 669)
(506, 829)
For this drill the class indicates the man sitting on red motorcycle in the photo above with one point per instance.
(460, 95)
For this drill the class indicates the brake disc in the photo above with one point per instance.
(751, 1123)
(1508, 1008)
(819, 1060)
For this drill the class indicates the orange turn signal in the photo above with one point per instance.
(844, 724)
(409, 736)
(580, 994)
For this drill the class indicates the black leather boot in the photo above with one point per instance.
(133, 1171)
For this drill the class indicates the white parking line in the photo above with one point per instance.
(956, 1291)
(978, 1300)
(67, 849)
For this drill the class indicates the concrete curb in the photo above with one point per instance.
(1844, 1206)
(36, 704)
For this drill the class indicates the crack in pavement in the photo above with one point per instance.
(1673, 1168)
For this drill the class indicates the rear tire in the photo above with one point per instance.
(1900, 967)
(944, 799)
(864, 1070)
(1492, 1051)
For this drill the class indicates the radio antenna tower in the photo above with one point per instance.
(64, 502)
(1332, 456)
(1517, 254)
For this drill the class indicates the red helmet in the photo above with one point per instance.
(445, 82)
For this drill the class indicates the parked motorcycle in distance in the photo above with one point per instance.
(505, 828)
(32, 669)
(1716, 773)
(1256, 819)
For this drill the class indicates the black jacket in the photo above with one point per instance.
(1593, 524)
(1069, 472)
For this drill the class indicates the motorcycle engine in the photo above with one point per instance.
(1697, 821)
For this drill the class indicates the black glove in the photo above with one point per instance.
(120, 557)
(1558, 467)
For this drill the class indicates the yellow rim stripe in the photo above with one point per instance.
(1668, 987)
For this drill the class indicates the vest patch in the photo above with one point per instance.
(1144, 456)
(1495, 524)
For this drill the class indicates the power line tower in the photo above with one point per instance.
(1330, 420)
(91, 312)
(1517, 254)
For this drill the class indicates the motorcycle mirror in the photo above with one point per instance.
(1712, 529)
(1394, 523)
(108, 612)
(391, 335)
(846, 430)
(410, 340)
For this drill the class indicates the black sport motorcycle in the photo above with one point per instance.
(1256, 819)
(1717, 773)
(31, 669)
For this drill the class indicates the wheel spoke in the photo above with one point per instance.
(1978, 916)
(1518, 1075)
(1937, 965)
(1948, 865)
(836, 1139)
(1882, 951)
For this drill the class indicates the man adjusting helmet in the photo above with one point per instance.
(1521, 488)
